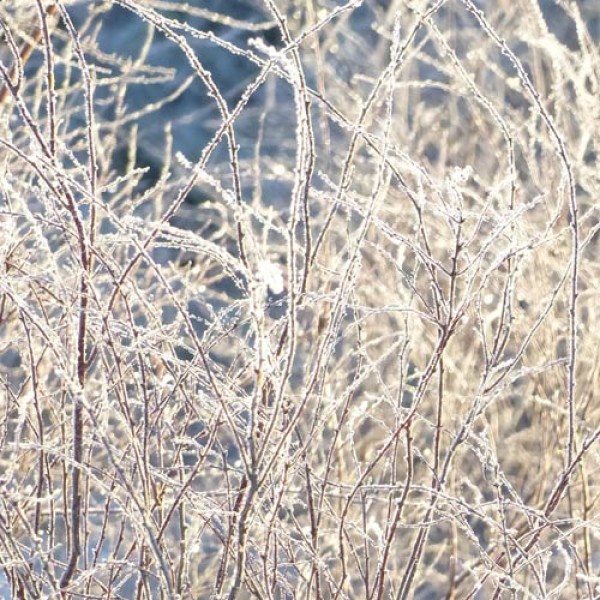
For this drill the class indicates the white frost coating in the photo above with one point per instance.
(460, 176)
(271, 275)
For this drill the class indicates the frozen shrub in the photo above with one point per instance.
(299, 299)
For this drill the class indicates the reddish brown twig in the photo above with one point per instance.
(24, 55)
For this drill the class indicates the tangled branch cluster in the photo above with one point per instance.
(342, 346)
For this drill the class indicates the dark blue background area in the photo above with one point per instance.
(193, 115)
